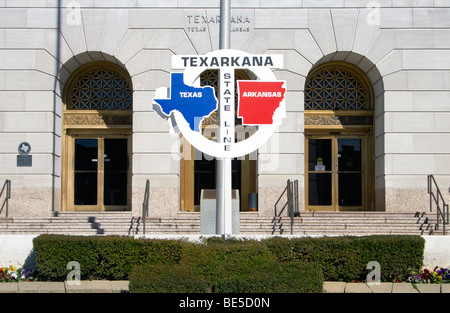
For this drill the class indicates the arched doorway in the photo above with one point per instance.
(339, 145)
(97, 128)
(198, 171)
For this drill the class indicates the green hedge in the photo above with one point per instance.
(277, 264)
(274, 277)
(228, 267)
(170, 278)
(100, 257)
(271, 277)
(216, 260)
(346, 258)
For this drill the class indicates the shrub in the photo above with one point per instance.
(53, 253)
(346, 258)
(216, 260)
(167, 278)
(218, 265)
(274, 277)
(118, 255)
(100, 257)
(228, 267)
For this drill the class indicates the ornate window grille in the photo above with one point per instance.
(337, 87)
(100, 88)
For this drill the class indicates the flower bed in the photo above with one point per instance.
(11, 274)
(438, 275)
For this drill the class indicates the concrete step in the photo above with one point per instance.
(336, 223)
(71, 223)
(308, 223)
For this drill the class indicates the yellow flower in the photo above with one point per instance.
(434, 274)
(12, 269)
(439, 277)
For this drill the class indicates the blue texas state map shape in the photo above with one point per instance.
(194, 103)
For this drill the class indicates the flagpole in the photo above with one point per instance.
(224, 170)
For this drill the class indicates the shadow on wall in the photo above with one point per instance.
(17, 250)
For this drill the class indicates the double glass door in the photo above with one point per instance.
(100, 177)
(336, 173)
(199, 172)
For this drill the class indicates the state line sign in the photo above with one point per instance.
(261, 102)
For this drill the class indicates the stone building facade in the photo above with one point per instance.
(368, 103)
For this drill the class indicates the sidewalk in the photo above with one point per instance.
(104, 286)
(84, 286)
(340, 287)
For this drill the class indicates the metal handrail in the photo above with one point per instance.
(6, 187)
(437, 199)
(295, 195)
(291, 203)
(145, 204)
(276, 203)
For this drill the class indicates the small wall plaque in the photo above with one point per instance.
(24, 159)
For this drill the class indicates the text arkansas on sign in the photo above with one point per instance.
(258, 101)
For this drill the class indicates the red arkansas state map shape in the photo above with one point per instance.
(259, 100)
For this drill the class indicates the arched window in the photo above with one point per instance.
(337, 86)
(99, 88)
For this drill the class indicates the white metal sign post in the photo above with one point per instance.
(260, 103)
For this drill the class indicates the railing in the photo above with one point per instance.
(291, 203)
(145, 204)
(436, 198)
(294, 196)
(6, 188)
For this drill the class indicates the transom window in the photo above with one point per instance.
(100, 88)
(337, 87)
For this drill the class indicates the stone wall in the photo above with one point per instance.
(402, 46)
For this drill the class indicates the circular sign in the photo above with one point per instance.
(227, 61)
(24, 148)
